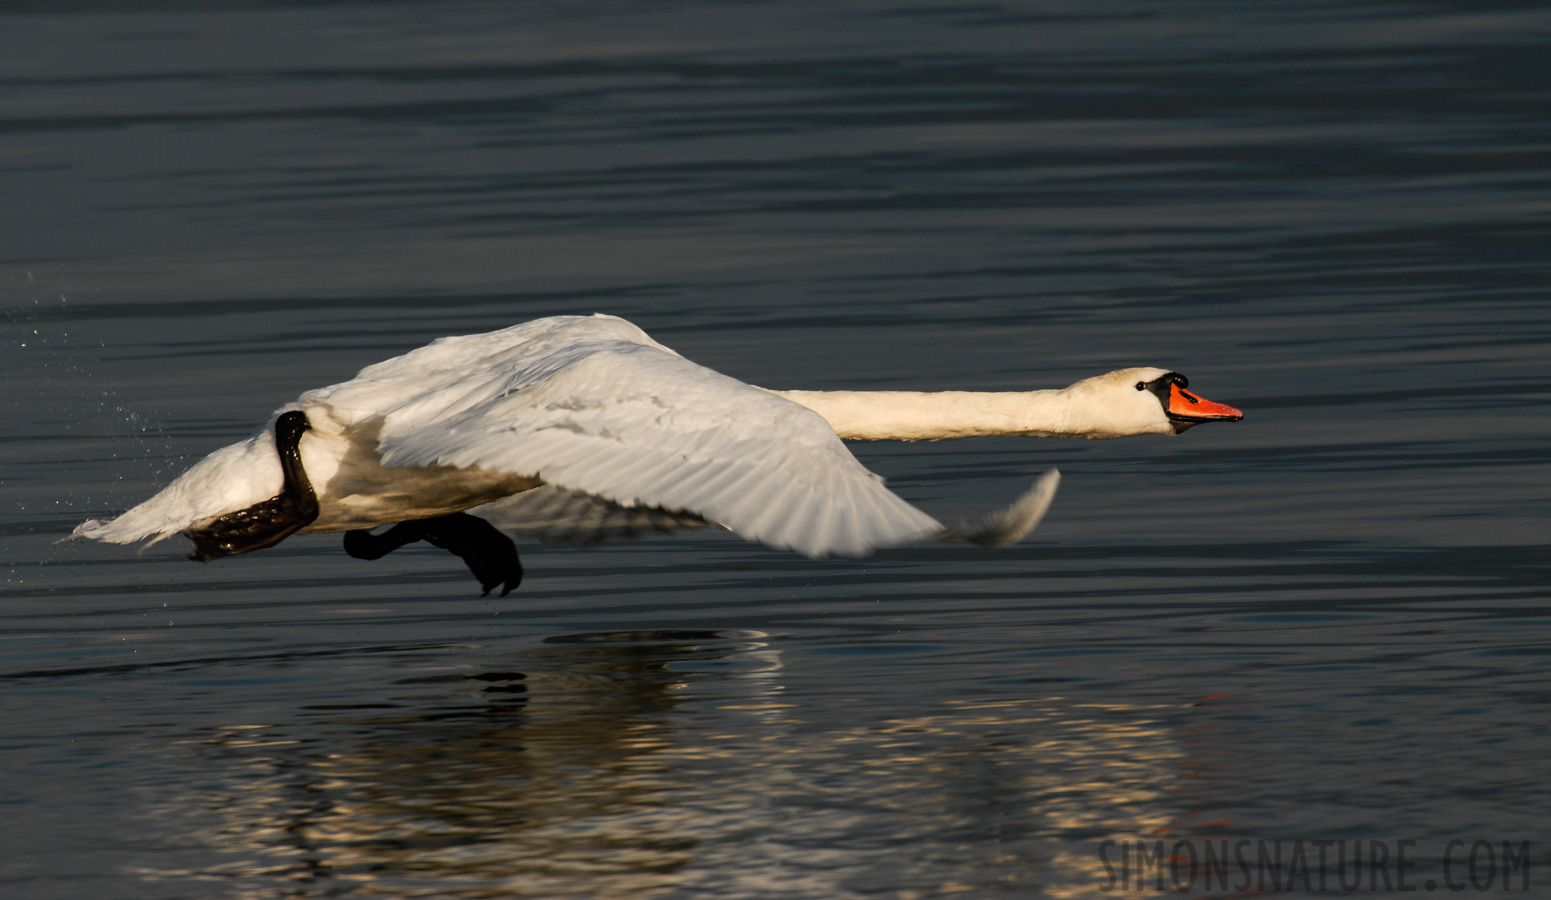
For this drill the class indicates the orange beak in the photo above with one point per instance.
(1186, 405)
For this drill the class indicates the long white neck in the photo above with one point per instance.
(917, 416)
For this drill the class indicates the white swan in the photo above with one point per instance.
(573, 428)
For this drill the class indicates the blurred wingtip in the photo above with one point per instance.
(1013, 523)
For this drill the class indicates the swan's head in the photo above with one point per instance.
(1148, 401)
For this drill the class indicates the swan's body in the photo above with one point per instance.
(576, 427)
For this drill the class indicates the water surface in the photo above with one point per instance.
(1328, 622)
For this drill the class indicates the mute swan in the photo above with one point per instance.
(573, 428)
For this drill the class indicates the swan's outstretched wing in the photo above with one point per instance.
(594, 406)
(1010, 524)
(567, 518)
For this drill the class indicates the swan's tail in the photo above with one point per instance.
(1012, 523)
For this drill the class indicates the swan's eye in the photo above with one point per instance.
(1141, 385)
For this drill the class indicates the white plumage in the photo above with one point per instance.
(565, 428)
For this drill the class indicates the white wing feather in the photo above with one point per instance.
(624, 433)
(594, 406)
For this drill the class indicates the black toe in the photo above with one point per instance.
(488, 553)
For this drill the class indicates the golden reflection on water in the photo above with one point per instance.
(646, 765)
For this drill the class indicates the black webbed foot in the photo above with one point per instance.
(488, 553)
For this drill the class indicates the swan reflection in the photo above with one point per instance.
(650, 764)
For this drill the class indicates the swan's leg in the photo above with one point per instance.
(488, 553)
(365, 545)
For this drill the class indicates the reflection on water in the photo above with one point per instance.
(638, 764)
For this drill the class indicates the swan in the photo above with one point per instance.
(574, 428)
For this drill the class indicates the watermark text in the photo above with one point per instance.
(1477, 865)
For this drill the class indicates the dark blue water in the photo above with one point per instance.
(1330, 622)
